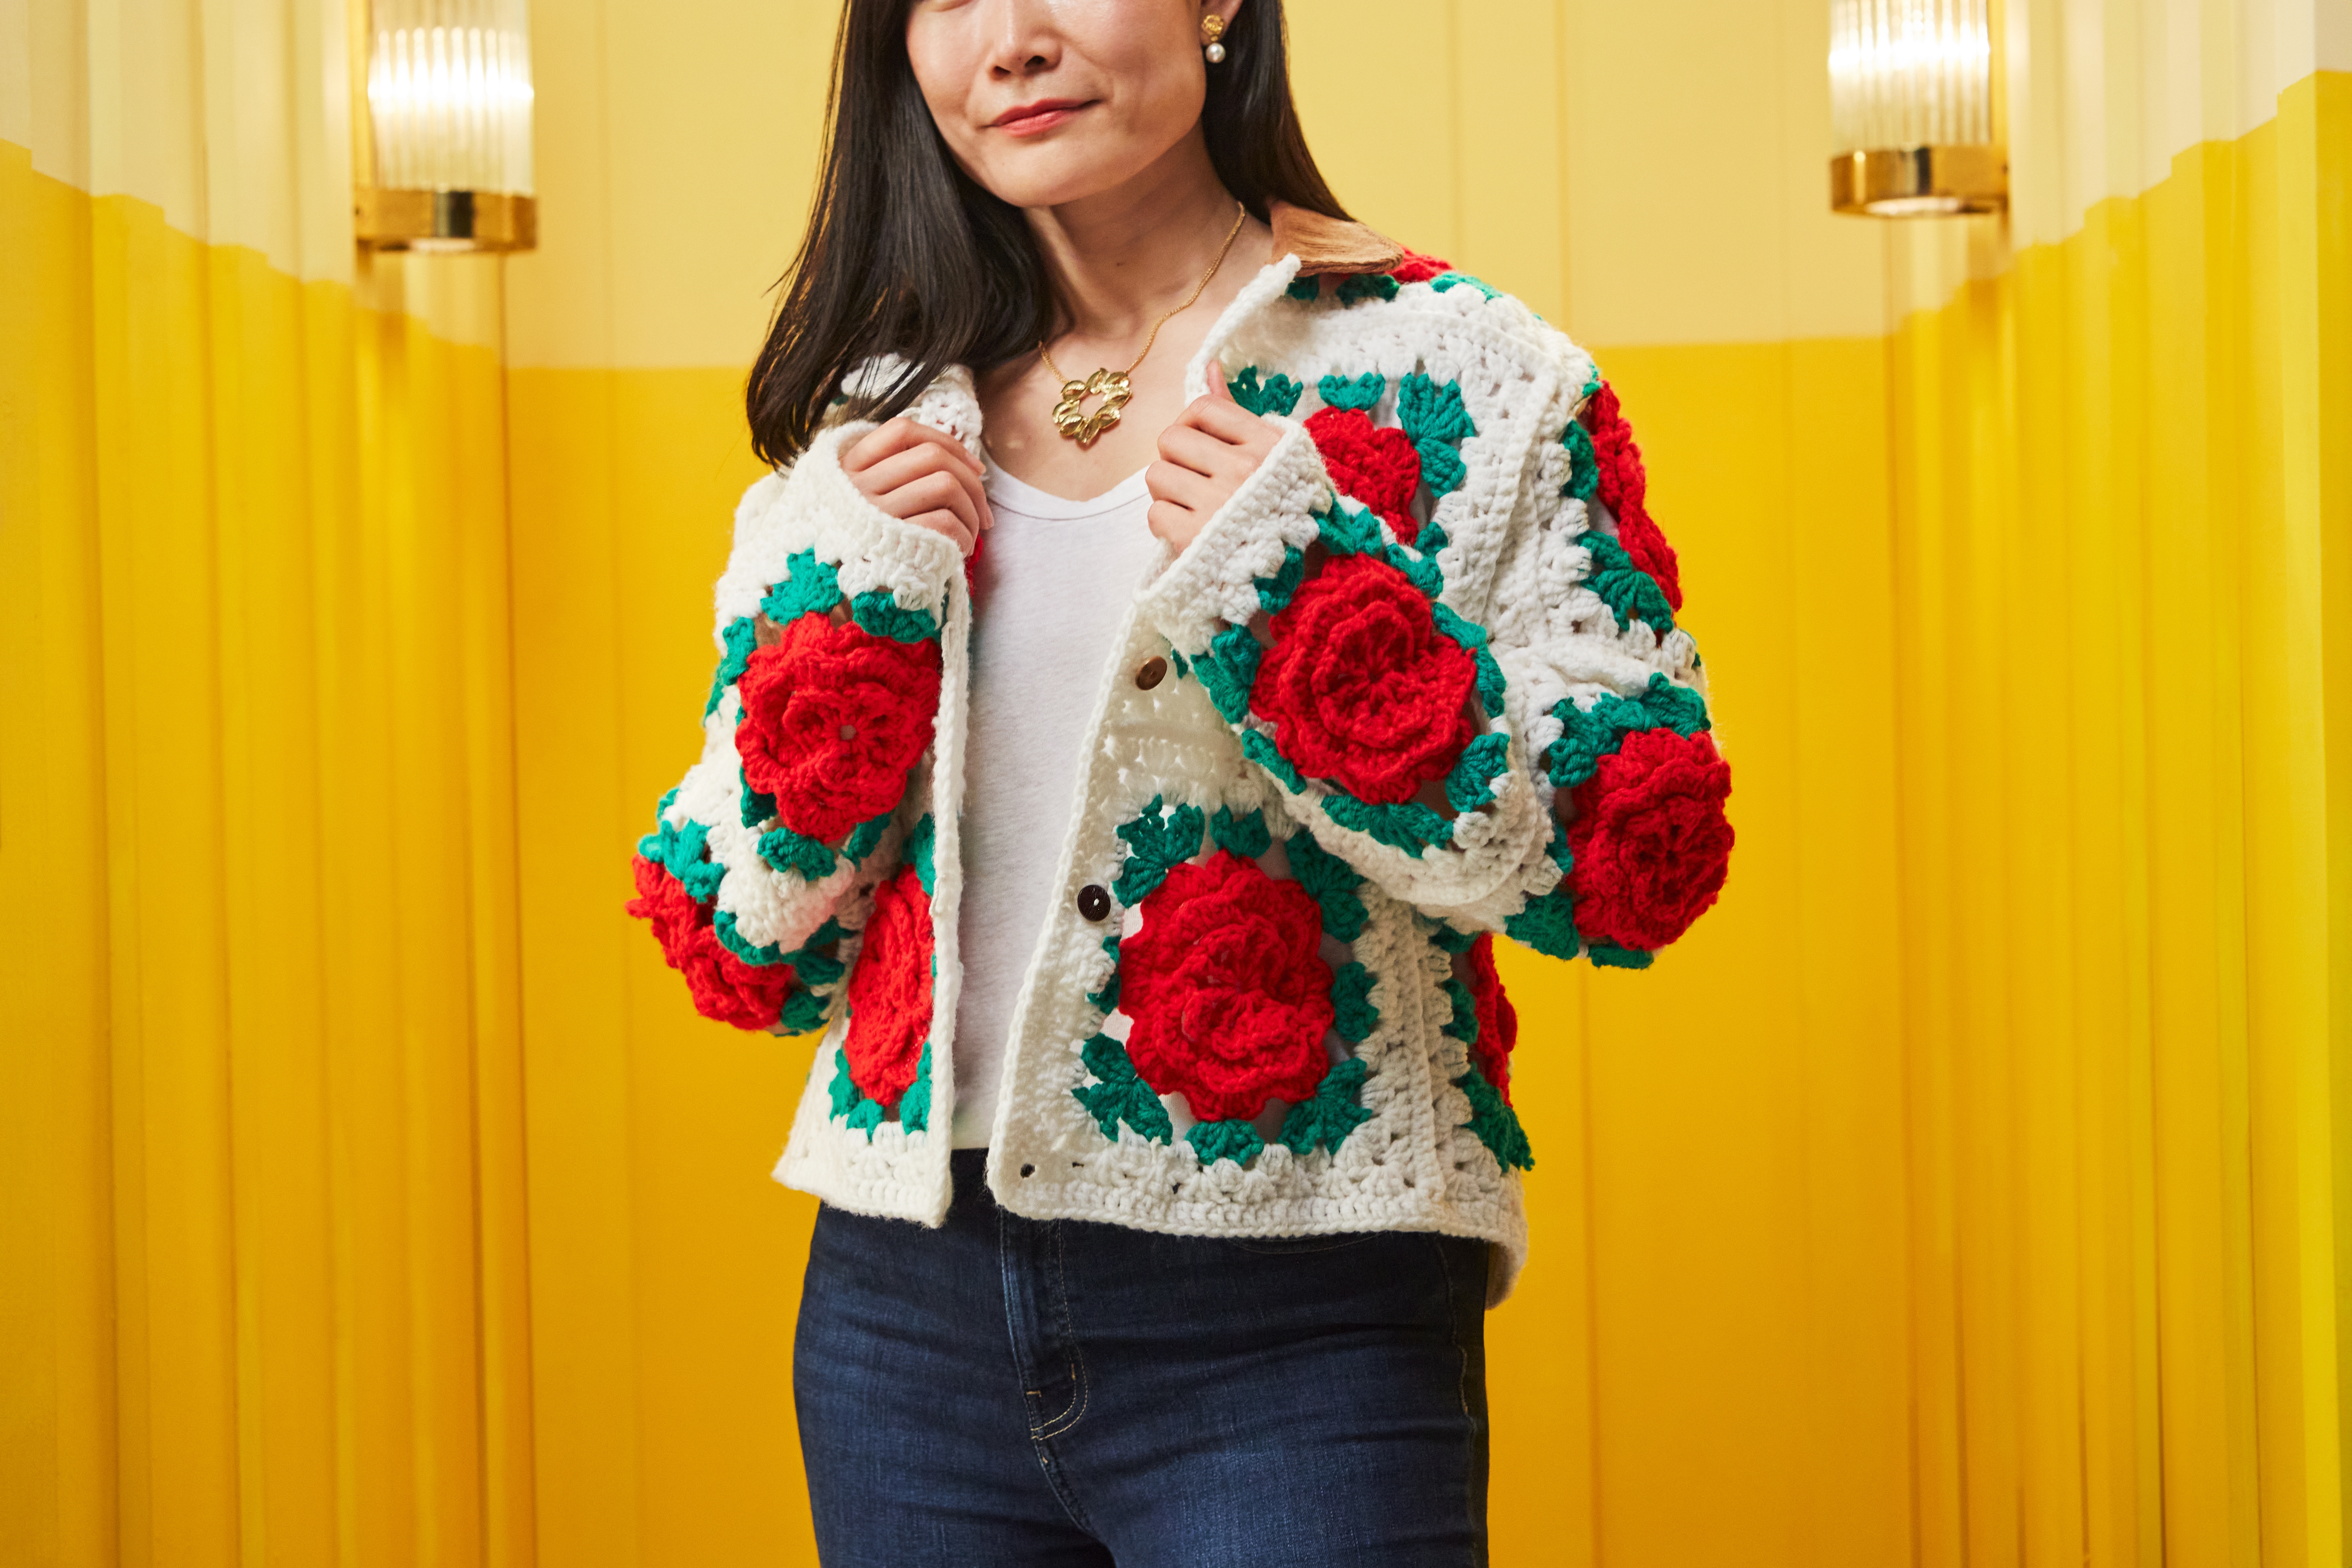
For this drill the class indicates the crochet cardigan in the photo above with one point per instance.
(1320, 780)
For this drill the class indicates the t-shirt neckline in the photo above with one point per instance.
(1016, 495)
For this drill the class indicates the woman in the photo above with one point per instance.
(1143, 867)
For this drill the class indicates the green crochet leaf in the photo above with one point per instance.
(1463, 1024)
(1331, 882)
(1229, 671)
(915, 1105)
(1432, 413)
(1422, 572)
(1350, 531)
(1583, 464)
(1495, 1123)
(1121, 1096)
(1407, 825)
(867, 835)
(1326, 1119)
(811, 585)
(845, 1090)
(1445, 281)
(1107, 999)
(1275, 592)
(1470, 784)
(741, 635)
(734, 942)
(1618, 957)
(1468, 633)
(1367, 286)
(1490, 683)
(1676, 708)
(803, 1013)
(757, 807)
(1183, 667)
(1305, 289)
(881, 614)
(814, 967)
(1246, 837)
(1352, 1003)
(1352, 392)
(1548, 924)
(1431, 540)
(1157, 845)
(1259, 747)
(1456, 942)
(1630, 594)
(920, 843)
(1213, 1141)
(809, 858)
(1277, 395)
(686, 852)
(1587, 734)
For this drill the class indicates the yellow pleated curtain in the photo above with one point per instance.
(1969, 1188)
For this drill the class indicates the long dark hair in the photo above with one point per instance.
(906, 253)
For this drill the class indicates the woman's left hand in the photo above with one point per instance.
(1213, 446)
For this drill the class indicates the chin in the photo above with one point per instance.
(1059, 172)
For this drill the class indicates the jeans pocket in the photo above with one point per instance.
(1287, 1245)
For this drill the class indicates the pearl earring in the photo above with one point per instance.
(1213, 28)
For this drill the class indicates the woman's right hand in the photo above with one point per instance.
(922, 476)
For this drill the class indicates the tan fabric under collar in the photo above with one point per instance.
(1330, 244)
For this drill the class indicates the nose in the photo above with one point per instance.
(1025, 43)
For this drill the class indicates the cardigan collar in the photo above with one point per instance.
(1330, 245)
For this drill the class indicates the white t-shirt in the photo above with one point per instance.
(1055, 584)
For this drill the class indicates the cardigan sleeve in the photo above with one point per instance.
(1476, 759)
(819, 718)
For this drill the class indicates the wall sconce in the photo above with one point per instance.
(442, 151)
(1911, 106)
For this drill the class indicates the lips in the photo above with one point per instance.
(1030, 119)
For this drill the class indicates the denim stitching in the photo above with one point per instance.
(1077, 1409)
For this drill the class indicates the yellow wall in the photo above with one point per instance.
(1968, 1187)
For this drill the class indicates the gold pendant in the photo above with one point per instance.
(1069, 416)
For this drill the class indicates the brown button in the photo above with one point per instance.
(1093, 903)
(1154, 671)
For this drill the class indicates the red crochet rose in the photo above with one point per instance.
(891, 992)
(1418, 269)
(1371, 465)
(1498, 1021)
(1650, 841)
(748, 995)
(833, 718)
(1362, 687)
(1230, 998)
(1625, 490)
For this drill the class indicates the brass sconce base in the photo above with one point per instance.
(443, 220)
(1918, 182)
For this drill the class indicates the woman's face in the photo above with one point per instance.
(1049, 101)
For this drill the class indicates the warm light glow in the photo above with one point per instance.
(1910, 73)
(449, 95)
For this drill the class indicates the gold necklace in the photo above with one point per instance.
(1112, 385)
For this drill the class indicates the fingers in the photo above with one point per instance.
(1218, 391)
(1205, 454)
(1228, 421)
(935, 492)
(896, 436)
(1193, 491)
(947, 522)
(1176, 525)
(922, 469)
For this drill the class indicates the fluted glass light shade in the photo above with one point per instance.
(445, 159)
(1911, 109)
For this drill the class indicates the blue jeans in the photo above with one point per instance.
(1006, 1391)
